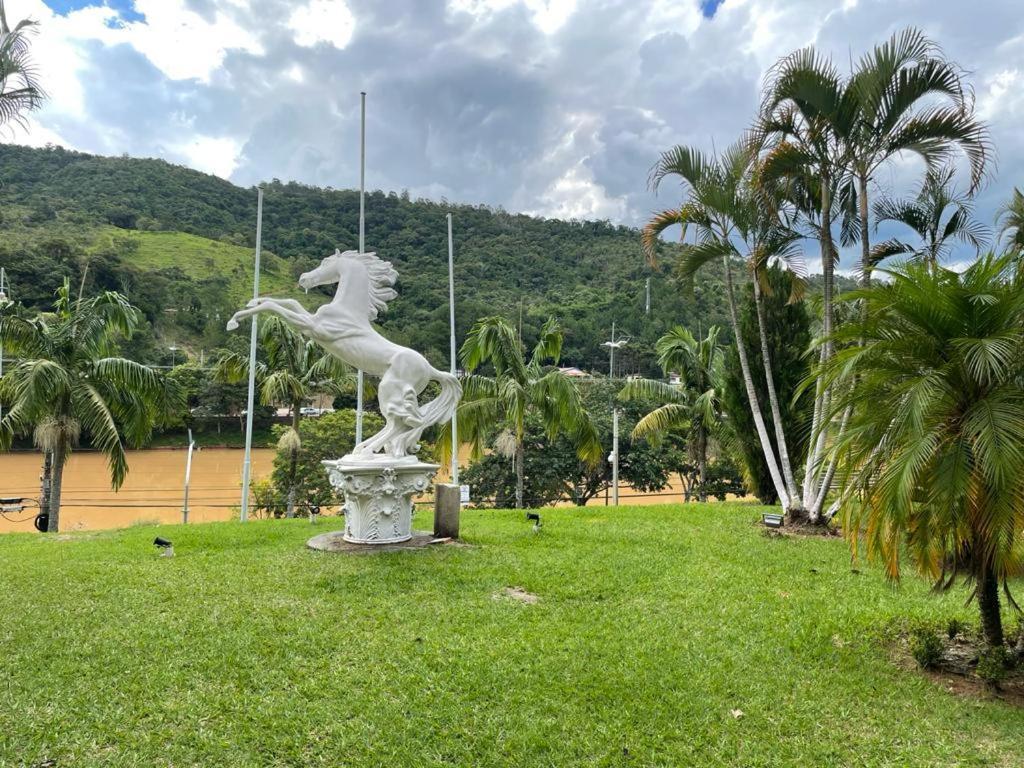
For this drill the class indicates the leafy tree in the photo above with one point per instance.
(299, 477)
(520, 386)
(789, 335)
(932, 463)
(1011, 223)
(66, 382)
(293, 371)
(938, 216)
(19, 89)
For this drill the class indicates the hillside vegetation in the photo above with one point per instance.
(176, 239)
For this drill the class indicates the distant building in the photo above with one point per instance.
(574, 372)
(674, 378)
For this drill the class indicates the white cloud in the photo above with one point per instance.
(211, 154)
(322, 21)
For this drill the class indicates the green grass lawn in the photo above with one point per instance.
(653, 624)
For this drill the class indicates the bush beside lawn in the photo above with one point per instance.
(654, 629)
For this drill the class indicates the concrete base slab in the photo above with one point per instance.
(335, 542)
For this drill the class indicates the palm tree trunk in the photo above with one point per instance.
(702, 463)
(773, 400)
(755, 405)
(865, 245)
(293, 463)
(45, 483)
(520, 453)
(56, 486)
(988, 604)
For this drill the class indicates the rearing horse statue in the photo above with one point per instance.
(342, 327)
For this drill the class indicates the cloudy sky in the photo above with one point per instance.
(552, 107)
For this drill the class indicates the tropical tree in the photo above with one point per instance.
(293, 370)
(1011, 223)
(19, 88)
(694, 405)
(517, 387)
(908, 99)
(733, 220)
(932, 461)
(938, 216)
(66, 383)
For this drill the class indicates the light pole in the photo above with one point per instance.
(251, 394)
(173, 350)
(451, 339)
(5, 286)
(362, 245)
(614, 458)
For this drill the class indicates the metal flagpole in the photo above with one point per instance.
(4, 288)
(615, 456)
(451, 333)
(362, 245)
(247, 464)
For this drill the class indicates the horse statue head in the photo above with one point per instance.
(380, 276)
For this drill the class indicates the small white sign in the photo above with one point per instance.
(464, 494)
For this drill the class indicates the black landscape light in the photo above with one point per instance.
(772, 520)
(165, 545)
(535, 517)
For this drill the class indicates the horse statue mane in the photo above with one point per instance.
(382, 279)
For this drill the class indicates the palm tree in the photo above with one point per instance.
(520, 385)
(695, 404)
(938, 215)
(908, 98)
(19, 89)
(1011, 221)
(733, 220)
(294, 370)
(66, 383)
(932, 463)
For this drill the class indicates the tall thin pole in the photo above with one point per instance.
(251, 400)
(451, 355)
(611, 354)
(647, 309)
(362, 245)
(188, 477)
(4, 288)
(615, 456)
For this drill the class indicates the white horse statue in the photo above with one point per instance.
(342, 327)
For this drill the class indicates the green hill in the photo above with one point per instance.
(176, 239)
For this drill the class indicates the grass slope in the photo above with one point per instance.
(653, 624)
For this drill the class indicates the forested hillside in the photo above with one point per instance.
(179, 243)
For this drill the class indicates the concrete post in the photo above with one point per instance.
(447, 506)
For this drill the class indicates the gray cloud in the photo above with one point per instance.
(487, 106)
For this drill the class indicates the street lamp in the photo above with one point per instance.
(612, 346)
(4, 287)
(173, 350)
(613, 459)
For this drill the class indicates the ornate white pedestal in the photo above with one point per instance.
(378, 495)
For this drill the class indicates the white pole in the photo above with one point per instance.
(188, 477)
(362, 245)
(247, 464)
(4, 287)
(451, 356)
(611, 354)
(648, 304)
(615, 456)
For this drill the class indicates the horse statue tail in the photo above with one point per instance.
(443, 406)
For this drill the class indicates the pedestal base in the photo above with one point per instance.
(378, 495)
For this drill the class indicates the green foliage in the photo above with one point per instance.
(994, 664)
(932, 462)
(789, 337)
(926, 647)
(329, 436)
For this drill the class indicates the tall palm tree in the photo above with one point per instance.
(733, 220)
(293, 371)
(66, 382)
(933, 460)
(1011, 222)
(518, 386)
(695, 404)
(19, 87)
(938, 216)
(909, 98)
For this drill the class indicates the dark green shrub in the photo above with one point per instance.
(993, 665)
(926, 647)
(954, 628)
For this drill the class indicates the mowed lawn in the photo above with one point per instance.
(653, 625)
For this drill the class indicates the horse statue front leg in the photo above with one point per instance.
(289, 310)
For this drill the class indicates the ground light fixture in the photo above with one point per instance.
(165, 545)
(772, 520)
(535, 517)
